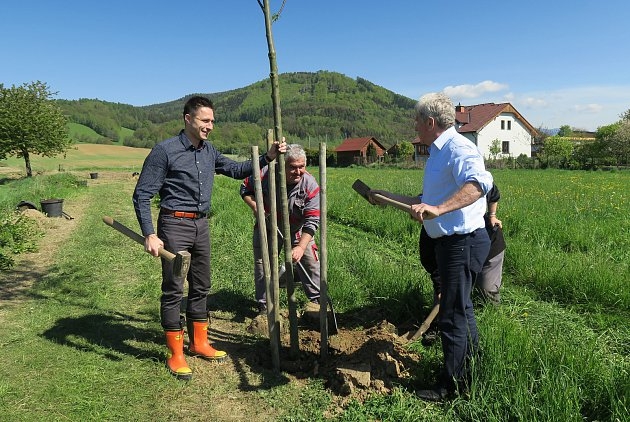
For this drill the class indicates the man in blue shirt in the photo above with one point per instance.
(181, 170)
(452, 209)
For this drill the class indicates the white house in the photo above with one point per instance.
(485, 123)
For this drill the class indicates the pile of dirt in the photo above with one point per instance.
(360, 361)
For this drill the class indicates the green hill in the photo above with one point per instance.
(321, 106)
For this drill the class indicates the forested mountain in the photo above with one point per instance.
(321, 106)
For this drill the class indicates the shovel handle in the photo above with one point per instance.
(135, 236)
(365, 191)
(426, 323)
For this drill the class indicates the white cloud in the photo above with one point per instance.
(473, 91)
(588, 108)
(531, 102)
(584, 107)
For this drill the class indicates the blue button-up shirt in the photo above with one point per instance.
(453, 161)
(183, 176)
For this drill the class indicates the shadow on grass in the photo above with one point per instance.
(108, 335)
(249, 353)
(113, 335)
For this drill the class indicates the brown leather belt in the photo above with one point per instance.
(183, 214)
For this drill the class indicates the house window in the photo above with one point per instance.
(505, 147)
(502, 124)
(509, 122)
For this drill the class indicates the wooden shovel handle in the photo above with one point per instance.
(364, 190)
(426, 323)
(135, 236)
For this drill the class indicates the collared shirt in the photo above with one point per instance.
(453, 161)
(183, 176)
(303, 201)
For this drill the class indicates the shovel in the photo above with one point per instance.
(364, 190)
(335, 328)
(412, 336)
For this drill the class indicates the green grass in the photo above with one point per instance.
(82, 132)
(86, 342)
(123, 133)
(83, 158)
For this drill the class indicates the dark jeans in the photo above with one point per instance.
(459, 258)
(193, 235)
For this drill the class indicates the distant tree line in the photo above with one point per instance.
(569, 150)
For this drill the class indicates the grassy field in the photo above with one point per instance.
(82, 133)
(84, 341)
(83, 157)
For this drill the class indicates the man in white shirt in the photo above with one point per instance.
(452, 209)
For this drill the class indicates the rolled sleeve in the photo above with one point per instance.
(469, 167)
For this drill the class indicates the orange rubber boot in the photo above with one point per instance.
(199, 346)
(175, 361)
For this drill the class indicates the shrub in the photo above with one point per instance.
(17, 235)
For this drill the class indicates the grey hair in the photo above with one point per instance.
(437, 105)
(295, 152)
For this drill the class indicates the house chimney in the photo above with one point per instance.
(459, 108)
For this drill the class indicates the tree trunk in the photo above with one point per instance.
(27, 162)
(286, 229)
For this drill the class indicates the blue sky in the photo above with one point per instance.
(557, 61)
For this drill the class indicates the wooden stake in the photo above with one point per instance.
(274, 334)
(323, 254)
(273, 219)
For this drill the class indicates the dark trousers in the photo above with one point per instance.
(192, 235)
(309, 269)
(459, 259)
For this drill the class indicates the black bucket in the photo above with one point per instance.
(52, 207)
(93, 175)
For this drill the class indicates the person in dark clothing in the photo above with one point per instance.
(181, 170)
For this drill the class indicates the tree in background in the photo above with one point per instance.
(604, 142)
(557, 150)
(614, 142)
(399, 152)
(31, 123)
(405, 150)
(495, 148)
(565, 130)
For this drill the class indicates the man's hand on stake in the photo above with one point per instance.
(276, 148)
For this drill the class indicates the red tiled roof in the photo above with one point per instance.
(416, 141)
(475, 117)
(356, 144)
